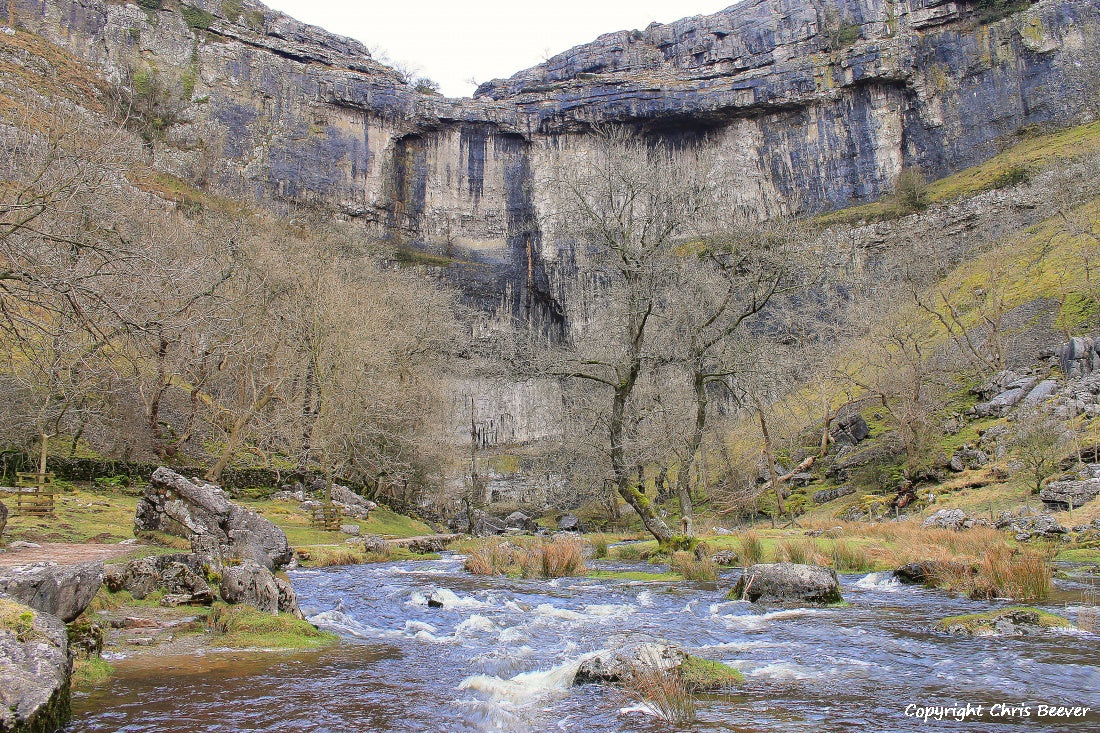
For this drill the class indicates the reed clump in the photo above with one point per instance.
(693, 568)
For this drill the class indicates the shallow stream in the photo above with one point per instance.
(500, 656)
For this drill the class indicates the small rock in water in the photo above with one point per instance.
(435, 600)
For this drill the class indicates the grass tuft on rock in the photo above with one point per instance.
(91, 672)
(989, 623)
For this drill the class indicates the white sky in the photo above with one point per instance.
(453, 42)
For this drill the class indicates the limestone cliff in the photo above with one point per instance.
(814, 104)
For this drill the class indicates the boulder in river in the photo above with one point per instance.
(618, 663)
(59, 590)
(788, 583)
(35, 668)
(202, 513)
(1003, 622)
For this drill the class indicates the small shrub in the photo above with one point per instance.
(788, 551)
(664, 692)
(629, 553)
(692, 568)
(197, 18)
(150, 4)
(910, 191)
(599, 549)
(1010, 177)
(233, 9)
(752, 549)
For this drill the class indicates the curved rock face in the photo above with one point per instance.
(35, 667)
(809, 105)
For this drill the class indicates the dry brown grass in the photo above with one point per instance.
(1088, 617)
(692, 568)
(664, 692)
(494, 559)
(752, 549)
(557, 558)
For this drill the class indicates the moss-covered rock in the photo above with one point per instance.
(700, 674)
(35, 667)
(1018, 621)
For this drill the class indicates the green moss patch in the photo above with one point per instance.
(633, 575)
(700, 674)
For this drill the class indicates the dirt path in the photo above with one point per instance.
(65, 553)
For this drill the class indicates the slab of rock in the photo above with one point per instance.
(1042, 526)
(788, 583)
(1064, 495)
(617, 664)
(202, 513)
(177, 574)
(826, 495)
(63, 591)
(35, 668)
(520, 521)
(724, 557)
(967, 458)
(350, 529)
(1014, 391)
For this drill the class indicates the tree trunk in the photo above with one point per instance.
(683, 480)
(776, 486)
(632, 494)
(44, 444)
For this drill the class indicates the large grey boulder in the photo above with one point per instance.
(827, 495)
(946, 519)
(519, 520)
(570, 523)
(255, 585)
(351, 503)
(59, 590)
(851, 430)
(250, 583)
(788, 583)
(216, 527)
(35, 668)
(619, 662)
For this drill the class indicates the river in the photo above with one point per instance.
(500, 656)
